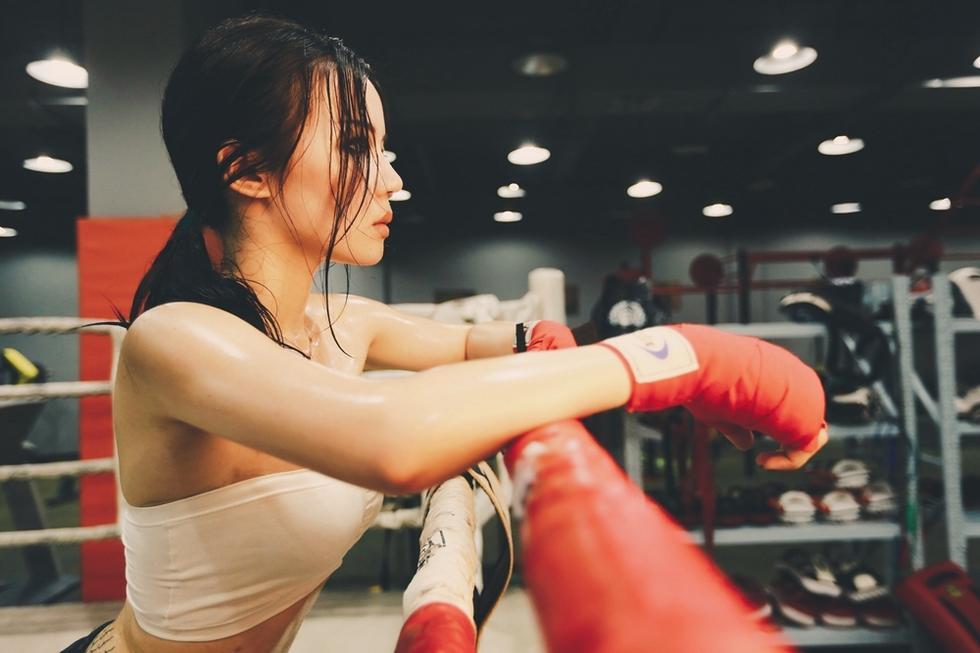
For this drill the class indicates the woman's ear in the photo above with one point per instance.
(251, 185)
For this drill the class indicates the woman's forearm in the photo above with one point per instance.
(490, 339)
(452, 416)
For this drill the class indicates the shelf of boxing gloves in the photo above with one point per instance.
(826, 597)
(841, 502)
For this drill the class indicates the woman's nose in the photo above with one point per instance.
(393, 181)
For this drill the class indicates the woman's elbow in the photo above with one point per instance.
(398, 475)
(395, 463)
(405, 464)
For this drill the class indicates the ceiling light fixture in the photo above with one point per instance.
(976, 62)
(400, 195)
(840, 145)
(7, 232)
(943, 204)
(541, 64)
(12, 205)
(507, 216)
(44, 163)
(528, 154)
(391, 156)
(968, 81)
(644, 188)
(58, 71)
(846, 207)
(717, 210)
(785, 57)
(511, 191)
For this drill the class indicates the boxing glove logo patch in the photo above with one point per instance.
(656, 353)
(661, 353)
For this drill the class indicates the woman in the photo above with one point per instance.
(251, 454)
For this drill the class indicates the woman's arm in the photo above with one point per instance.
(408, 342)
(206, 368)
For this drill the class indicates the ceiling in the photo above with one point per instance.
(661, 89)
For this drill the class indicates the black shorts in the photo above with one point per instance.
(79, 645)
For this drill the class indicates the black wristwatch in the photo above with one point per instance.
(520, 338)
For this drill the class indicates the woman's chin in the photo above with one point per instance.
(363, 258)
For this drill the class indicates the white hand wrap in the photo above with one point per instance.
(447, 562)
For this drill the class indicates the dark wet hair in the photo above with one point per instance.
(250, 83)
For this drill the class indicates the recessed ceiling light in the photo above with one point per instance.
(391, 156)
(943, 204)
(542, 64)
(785, 57)
(969, 81)
(507, 216)
(976, 62)
(527, 155)
(58, 72)
(717, 210)
(644, 188)
(840, 145)
(400, 195)
(784, 50)
(12, 205)
(7, 232)
(846, 207)
(46, 163)
(511, 191)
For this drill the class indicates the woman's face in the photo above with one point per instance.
(310, 187)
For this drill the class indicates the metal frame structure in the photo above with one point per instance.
(960, 525)
(900, 419)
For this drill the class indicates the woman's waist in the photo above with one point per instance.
(273, 635)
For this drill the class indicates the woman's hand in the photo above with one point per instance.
(545, 334)
(786, 458)
(790, 458)
(736, 383)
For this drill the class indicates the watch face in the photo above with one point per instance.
(627, 314)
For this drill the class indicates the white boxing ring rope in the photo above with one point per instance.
(544, 300)
(28, 471)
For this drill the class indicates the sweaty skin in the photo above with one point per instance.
(203, 400)
(181, 432)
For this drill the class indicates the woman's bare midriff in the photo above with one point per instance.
(266, 637)
(170, 462)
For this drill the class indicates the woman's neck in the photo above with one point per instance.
(282, 278)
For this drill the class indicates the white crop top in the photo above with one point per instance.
(218, 563)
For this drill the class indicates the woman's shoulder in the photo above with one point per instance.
(177, 318)
(185, 330)
(178, 311)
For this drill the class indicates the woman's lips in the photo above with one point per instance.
(381, 226)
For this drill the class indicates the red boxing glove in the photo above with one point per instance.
(724, 379)
(545, 334)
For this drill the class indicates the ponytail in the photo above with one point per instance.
(183, 271)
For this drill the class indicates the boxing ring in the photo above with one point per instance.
(606, 569)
